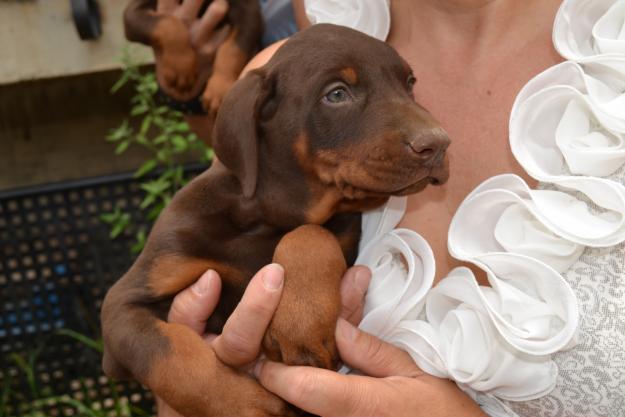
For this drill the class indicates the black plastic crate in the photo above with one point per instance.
(56, 264)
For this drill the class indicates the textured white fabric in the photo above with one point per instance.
(372, 17)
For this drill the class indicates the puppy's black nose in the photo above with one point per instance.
(429, 144)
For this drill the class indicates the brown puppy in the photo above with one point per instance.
(327, 129)
(180, 71)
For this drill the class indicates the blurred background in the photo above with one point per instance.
(56, 105)
(88, 158)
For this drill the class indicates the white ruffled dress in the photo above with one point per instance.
(547, 338)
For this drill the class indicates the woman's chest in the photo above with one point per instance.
(474, 108)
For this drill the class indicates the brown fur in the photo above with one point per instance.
(295, 170)
(180, 72)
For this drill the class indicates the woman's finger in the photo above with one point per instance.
(211, 43)
(166, 6)
(214, 14)
(372, 356)
(189, 9)
(353, 290)
(242, 335)
(317, 391)
(194, 305)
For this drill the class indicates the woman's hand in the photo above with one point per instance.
(241, 338)
(396, 387)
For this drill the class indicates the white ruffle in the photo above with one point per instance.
(567, 128)
(489, 339)
(372, 17)
(585, 28)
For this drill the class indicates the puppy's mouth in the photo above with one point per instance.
(437, 176)
(418, 186)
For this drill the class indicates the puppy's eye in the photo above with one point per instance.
(337, 95)
(411, 81)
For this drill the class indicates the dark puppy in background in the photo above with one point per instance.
(327, 129)
(165, 26)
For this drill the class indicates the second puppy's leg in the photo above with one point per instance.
(169, 36)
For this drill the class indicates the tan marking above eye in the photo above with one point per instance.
(349, 75)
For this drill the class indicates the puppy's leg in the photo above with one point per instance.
(170, 359)
(302, 330)
(242, 43)
(177, 65)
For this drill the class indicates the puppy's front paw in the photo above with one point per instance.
(216, 88)
(296, 343)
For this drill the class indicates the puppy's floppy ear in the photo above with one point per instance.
(235, 136)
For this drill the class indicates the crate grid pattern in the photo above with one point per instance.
(56, 263)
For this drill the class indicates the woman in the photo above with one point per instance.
(471, 57)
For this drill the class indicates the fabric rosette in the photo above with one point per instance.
(566, 129)
(372, 17)
(495, 340)
(584, 28)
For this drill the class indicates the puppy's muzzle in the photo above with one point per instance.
(428, 146)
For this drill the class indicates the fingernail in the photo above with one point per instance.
(346, 329)
(362, 279)
(202, 285)
(221, 4)
(258, 368)
(273, 277)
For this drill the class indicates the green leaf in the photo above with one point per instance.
(120, 225)
(163, 155)
(156, 211)
(160, 139)
(142, 140)
(180, 143)
(79, 406)
(161, 110)
(120, 133)
(139, 109)
(145, 125)
(108, 217)
(182, 127)
(28, 368)
(149, 199)
(138, 411)
(147, 166)
(121, 148)
(141, 238)
(121, 82)
(209, 154)
(94, 344)
(156, 187)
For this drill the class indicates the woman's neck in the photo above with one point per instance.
(463, 30)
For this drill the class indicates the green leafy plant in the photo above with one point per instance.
(166, 135)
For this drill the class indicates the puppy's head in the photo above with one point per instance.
(335, 106)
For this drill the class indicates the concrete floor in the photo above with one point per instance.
(54, 130)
